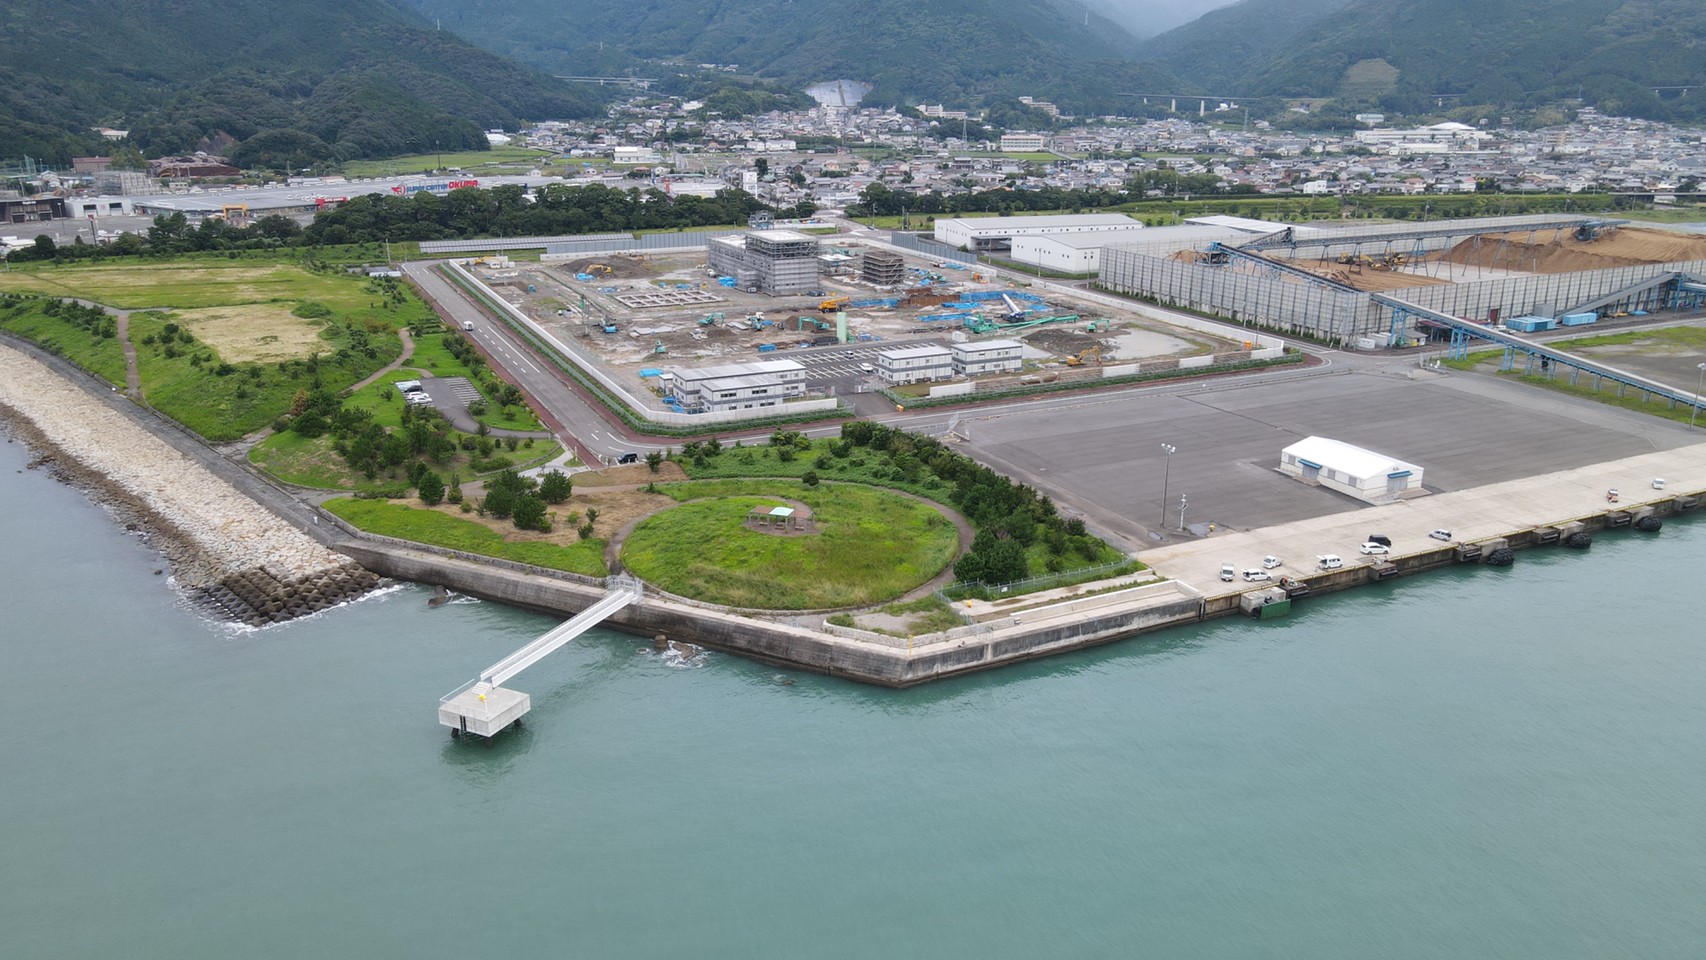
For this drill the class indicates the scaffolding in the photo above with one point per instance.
(883, 268)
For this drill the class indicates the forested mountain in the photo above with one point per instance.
(1494, 53)
(958, 51)
(293, 82)
(1222, 49)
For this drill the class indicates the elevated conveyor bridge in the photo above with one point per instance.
(1539, 358)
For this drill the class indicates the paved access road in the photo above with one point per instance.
(574, 417)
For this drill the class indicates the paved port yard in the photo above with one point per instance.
(1494, 510)
(1103, 456)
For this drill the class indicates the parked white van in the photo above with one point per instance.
(1329, 561)
(1256, 575)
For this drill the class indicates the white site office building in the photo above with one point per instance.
(919, 364)
(986, 357)
(1352, 470)
(737, 386)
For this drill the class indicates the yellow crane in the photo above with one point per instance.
(832, 304)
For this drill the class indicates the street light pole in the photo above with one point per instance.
(1183, 503)
(1698, 381)
(1166, 476)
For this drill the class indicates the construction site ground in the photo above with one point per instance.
(722, 330)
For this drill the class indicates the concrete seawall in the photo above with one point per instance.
(1036, 634)
(1071, 623)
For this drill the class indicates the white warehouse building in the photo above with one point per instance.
(997, 233)
(986, 357)
(931, 361)
(1069, 253)
(1364, 474)
(738, 386)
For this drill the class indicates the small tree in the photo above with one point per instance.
(500, 501)
(555, 486)
(654, 460)
(809, 478)
(529, 513)
(431, 488)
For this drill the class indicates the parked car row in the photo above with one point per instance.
(1374, 545)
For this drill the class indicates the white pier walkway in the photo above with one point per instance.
(483, 706)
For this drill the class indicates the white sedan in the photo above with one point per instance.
(1375, 548)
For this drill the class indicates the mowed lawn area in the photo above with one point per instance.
(187, 283)
(406, 522)
(869, 546)
(232, 341)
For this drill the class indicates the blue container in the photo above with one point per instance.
(1578, 319)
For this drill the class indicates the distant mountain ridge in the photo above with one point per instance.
(312, 79)
(958, 51)
(1610, 53)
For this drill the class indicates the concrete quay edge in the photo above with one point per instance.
(1039, 633)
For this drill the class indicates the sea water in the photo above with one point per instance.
(1475, 763)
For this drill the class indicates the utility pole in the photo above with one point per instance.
(1166, 476)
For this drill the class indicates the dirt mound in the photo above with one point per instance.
(1560, 252)
(621, 267)
(1368, 279)
(1066, 342)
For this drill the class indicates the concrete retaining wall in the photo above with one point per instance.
(777, 643)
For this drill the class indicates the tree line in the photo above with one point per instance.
(504, 211)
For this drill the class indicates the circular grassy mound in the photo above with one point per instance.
(870, 546)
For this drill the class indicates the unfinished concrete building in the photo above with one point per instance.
(771, 261)
(883, 268)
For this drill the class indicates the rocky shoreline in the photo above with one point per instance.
(228, 554)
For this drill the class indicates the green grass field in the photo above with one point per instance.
(871, 546)
(1662, 340)
(861, 466)
(1665, 340)
(441, 529)
(101, 356)
(188, 283)
(189, 383)
(316, 464)
(470, 161)
(249, 397)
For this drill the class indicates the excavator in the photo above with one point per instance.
(1086, 356)
(599, 270)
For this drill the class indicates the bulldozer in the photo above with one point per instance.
(1085, 357)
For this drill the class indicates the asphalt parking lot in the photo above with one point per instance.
(1105, 457)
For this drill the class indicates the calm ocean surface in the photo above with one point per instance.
(1472, 764)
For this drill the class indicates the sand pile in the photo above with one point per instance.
(1551, 251)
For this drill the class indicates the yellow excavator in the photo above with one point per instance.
(599, 270)
(1085, 357)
